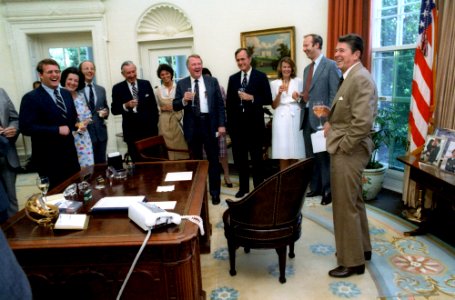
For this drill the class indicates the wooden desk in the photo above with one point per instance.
(92, 264)
(430, 177)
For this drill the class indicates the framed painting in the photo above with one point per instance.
(268, 46)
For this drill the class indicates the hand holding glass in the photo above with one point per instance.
(190, 90)
(320, 110)
(42, 183)
(240, 91)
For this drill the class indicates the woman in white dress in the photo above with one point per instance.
(287, 137)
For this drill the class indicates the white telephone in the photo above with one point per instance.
(149, 216)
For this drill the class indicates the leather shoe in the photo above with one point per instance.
(240, 194)
(313, 194)
(342, 272)
(326, 199)
(215, 200)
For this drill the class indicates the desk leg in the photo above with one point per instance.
(423, 226)
(204, 240)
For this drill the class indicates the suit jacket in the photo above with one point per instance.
(144, 122)
(9, 118)
(323, 88)
(214, 101)
(353, 112)
(259, 87)
(97, 129)
(54, 155)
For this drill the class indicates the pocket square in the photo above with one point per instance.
(340, 99)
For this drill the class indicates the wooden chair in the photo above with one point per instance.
(155, 149)
(270, 216)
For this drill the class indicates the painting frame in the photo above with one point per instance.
(264, 43)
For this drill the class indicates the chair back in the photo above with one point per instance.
(153, 148)
(277, 201)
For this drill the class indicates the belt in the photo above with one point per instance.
(204, 115)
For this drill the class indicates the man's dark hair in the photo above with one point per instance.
(46, 61)
(248, 53)
(354, 41)
(317, 39)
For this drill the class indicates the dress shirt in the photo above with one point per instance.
(87, 92)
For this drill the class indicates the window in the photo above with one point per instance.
(178, 64)
(395, 33)
(71, 57)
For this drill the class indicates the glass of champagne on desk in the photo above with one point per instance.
(42, 182)
(320, 110)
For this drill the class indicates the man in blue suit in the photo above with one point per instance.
(95, 96)
(48, 116)
(204, 118)
(321, 85)
(248, 91)
(134, 99)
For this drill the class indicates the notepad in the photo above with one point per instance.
(72, 221)
(116, 202)
(318, 141)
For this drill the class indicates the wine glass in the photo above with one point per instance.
(190, 90)
(320, 110)
(42, 182)
(241, 90)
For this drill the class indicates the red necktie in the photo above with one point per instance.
(306, 91)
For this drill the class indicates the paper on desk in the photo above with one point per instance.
(178, 176)
(318, 141)
(53, 199)
(165, 188)
(72, 221)
(117, 202)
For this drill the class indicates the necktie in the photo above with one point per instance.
(309, 78)
(244, 81)
(341, 82)
(134, 89)
(196, 108)
(91, 101)
(60, 103)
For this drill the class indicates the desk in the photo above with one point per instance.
(92, 264)
(430, 177)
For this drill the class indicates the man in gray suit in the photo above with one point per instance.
(320, 80)
(95, 95)
(9, 161)
(349, 143)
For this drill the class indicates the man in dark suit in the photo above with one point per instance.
(9, 161)
(203, 119)
(135, 101)
(350, 145)
(320, 79)
(248, 91)
(48, 116)
(95, 96)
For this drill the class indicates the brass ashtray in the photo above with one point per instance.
(43, 216)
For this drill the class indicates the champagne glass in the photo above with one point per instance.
(190, 90)
(42, 182)
(320, 110)
(241, 90)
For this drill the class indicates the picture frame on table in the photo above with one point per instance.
(268, 46)
(434, 148)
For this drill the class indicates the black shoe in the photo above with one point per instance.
(313, 194)
(326, 199)
(215, 200)
(342, 272)
(240, 194)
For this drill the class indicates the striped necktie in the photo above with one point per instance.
(134, 90)
(244, 81)
(60, 103)
(91, 101)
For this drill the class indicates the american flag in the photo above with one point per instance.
(422, 99)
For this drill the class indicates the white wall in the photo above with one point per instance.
(216, 33)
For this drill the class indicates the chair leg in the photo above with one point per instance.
(282, 263)
(231, 250)
(291, 250)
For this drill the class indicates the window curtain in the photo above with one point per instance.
(350, 16)
(445, 76)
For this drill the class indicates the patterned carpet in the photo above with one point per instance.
(401, 267)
